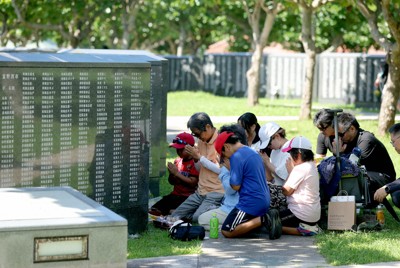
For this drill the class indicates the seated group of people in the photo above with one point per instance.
(251, 176)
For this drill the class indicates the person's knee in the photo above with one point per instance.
(227, 234)
(204, 221)
(396, 198)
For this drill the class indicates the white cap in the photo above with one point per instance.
(265, 133)
(298, 143)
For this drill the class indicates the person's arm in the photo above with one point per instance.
(286, 190)
(190, 180)
(225, 176)
(209, 165)
(321, 150)
(387, 189)
(269, 168)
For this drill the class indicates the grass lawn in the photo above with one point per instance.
(339, 248)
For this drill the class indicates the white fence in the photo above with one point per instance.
(346, 78)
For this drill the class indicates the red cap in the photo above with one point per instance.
(180, 141)
(220, 141)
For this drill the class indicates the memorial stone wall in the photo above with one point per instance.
(81, 121)
(158, 107)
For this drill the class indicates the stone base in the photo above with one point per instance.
(58, 227)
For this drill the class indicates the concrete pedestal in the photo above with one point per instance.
(58, 227)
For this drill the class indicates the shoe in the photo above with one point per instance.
(273, 224)
(309, 230)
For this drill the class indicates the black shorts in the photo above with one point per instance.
(234, 218)
(288, 219)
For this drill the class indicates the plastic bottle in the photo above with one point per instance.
(214, 225)
(380, 216)
(355, 155)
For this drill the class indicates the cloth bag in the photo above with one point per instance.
(341, 212)
(186, 232)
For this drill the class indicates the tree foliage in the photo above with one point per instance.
(171, 26)
(190, 26)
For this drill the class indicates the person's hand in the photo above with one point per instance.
(193, 151)
(264, 157)
(342, 146)
(226, 163)
(380, 194)
(289, 164)
(172, 169)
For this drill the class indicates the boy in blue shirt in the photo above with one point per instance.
(248, 178)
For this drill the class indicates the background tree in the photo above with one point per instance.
(308, 40)
(179, 27)
(66, 22)
(258, 11)
(383, 18)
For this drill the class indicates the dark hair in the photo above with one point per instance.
(323, 119)
(345, 120)
(199, 121)
(281, 132)
(238, 136)
(246, 120)
(305, 155)
(394, 129)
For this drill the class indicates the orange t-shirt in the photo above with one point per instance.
(208, 180)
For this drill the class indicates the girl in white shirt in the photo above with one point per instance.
(301, 189)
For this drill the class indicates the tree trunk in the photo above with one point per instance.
(182, 38)
(390, 94)
(253, 77)
(306, 99)
(307, 38)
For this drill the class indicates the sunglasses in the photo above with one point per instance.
(179, 141)
(341, 134)
(323, 128)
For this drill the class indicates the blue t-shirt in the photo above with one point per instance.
(247, 170)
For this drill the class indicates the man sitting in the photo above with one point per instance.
(374, 155)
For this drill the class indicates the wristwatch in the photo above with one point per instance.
(387, 189)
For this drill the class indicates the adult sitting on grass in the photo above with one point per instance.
(392, 188)
(301, 189)
(323, 120)
(210, 192)
(374, 155)
(248, 178)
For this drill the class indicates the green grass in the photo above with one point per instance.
(339, 248)
(347, 248)
(184, 103)
(155, 243)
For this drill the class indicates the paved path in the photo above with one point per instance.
(258, 251)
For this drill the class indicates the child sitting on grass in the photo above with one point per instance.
(182, 175)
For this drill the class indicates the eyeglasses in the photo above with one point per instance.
(197, 135)
(179, 141)
(322, 128)
(341, 134)
(392, 142)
